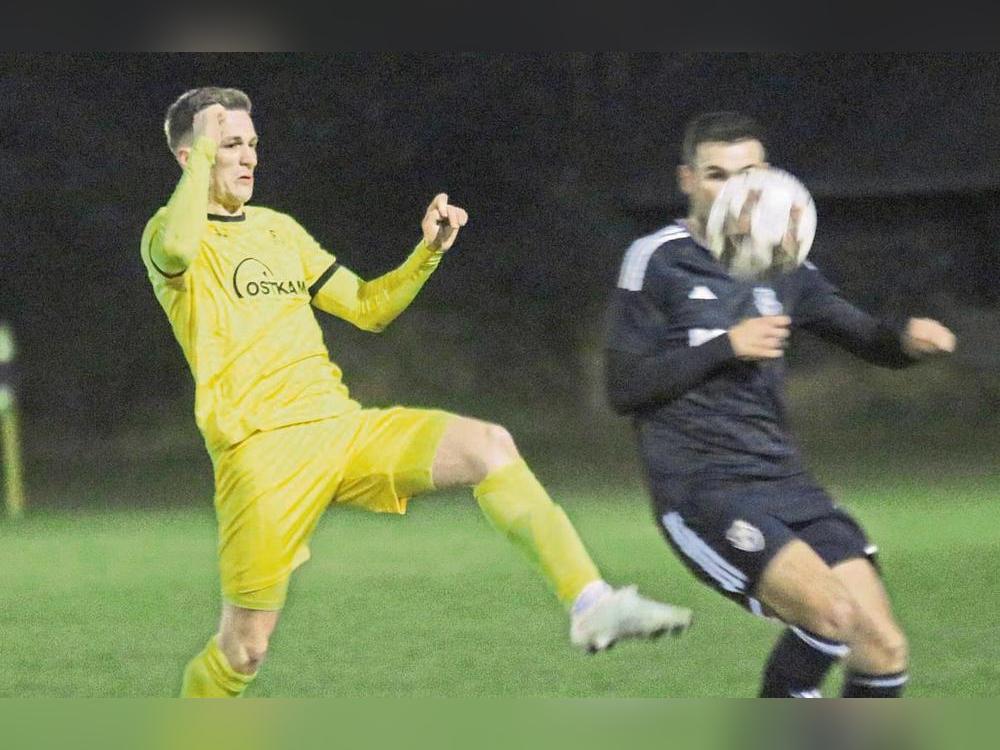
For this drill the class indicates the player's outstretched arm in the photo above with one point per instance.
(372, 305)
(176, 244)
(887, 342)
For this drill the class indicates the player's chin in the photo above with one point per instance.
(243, 191)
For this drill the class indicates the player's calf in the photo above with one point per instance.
(798, 664)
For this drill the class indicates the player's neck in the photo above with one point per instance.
(696, 228)
(218, 209)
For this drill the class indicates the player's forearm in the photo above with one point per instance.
(877, 341)
(381, 300)
(178, 243)
(635, 382)
(372, 305)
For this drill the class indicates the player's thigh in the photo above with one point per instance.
(865, 585)
(271, 491)
(839, 539)
(841, 542)
(801, 589)
(391, 458)
(878, 624)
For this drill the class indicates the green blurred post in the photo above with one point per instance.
(10, 437)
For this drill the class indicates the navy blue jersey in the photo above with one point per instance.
(698, 409)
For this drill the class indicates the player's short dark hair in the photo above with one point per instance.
(724, 127)
(180, 115)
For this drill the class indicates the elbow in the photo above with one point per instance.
(178, 251)
(371, 325)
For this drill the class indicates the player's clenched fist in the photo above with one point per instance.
(208, 123)
(760, 338)
(442, 222)
(924, 337)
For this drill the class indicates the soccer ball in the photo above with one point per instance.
(760, 252)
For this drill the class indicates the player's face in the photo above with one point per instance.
(714, 163)
(235, 161)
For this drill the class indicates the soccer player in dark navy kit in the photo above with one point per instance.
(695, 357)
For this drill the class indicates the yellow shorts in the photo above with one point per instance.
(271, 489)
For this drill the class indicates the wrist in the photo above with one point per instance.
(428, 249)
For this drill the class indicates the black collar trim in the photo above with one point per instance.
(223, 217)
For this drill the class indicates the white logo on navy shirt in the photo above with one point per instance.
(745, 536)
(698, 336)
(767, 301)
(702, 292)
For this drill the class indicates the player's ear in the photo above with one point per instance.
(182, 154)
(685, 179)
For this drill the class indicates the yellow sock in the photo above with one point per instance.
(208, 675)
(519, 507)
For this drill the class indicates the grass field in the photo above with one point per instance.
(113, 602)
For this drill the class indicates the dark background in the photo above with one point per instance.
(561, 160)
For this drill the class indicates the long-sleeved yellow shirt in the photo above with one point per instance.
(241, 308)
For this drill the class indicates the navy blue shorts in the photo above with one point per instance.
(727, 532)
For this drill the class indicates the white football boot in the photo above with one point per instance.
(614, 614)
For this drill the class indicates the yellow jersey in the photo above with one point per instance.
(242, 313)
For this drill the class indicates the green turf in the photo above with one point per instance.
(113, 603)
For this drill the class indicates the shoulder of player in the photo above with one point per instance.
(278, 221)
(661, 243)
(265, 215)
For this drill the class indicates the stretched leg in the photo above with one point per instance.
(802, 590)
(876, 668)
(841, 611)
(230, 660)
(484, 455)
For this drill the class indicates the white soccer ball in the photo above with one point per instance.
(760, 253)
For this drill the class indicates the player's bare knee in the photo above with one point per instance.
(250, 653)
(499, 447)
(838, 619)
(891, 649)
(255, 651)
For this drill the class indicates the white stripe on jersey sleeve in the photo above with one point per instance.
(637, 257)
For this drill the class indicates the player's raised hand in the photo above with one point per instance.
(735, 229)
(786, 254)
(755, 339)
(208, 122)
(442, 222)
(925, 337)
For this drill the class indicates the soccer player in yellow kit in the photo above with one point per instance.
(238, 284)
